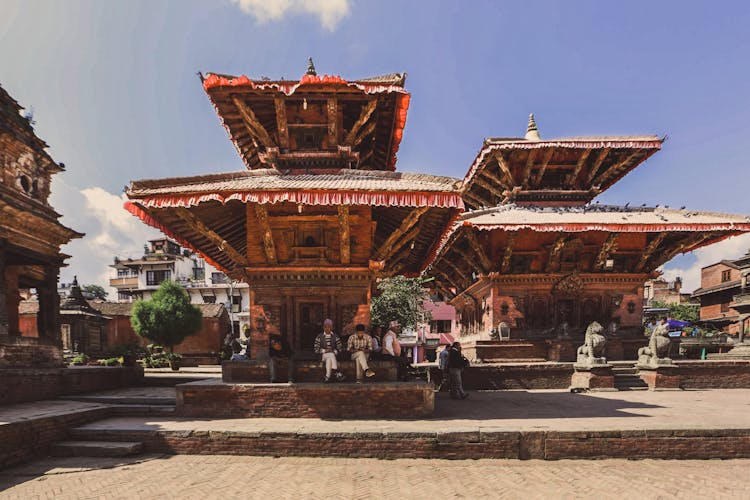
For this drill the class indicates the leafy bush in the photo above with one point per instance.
(168, 317)
(81, 359)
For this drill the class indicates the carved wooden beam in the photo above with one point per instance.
(493, 177)
(608, 247)
(364, 115)
(555, 251)
(408, 238)
(649, 251)
(398, 256)
(447, 278)
(408, 222)
(460, 273)
(494, 190)
(613, 171)
(475, 199)
(344, 234)
(367, 130)
(579, 165)
(597, 163)
(197, 225)
(505, 266)
(504, 167)
(332, 107)
(268, 245)
(474, 243)
(543, 168)
(529, 165)
(253, 124)
(281, 122)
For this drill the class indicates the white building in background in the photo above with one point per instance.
(165, 260)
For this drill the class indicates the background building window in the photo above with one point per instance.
(156, 277)
(219, 278)
(726, 275)
(236, 303)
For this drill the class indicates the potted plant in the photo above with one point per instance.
(175, 360)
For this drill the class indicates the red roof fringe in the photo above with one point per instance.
(386, 198)
(148, 219)
(616, 228)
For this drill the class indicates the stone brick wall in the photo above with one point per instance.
(305, 371)
(696, 374)
(23, 440)
(514, 376)
(210, 399)
(25, 356)
(538, 445)
(34, 384)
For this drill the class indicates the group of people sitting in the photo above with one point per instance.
(361, 347)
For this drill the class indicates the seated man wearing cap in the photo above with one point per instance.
(392, 348)
(360, 345)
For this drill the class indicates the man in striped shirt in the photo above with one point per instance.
(360, 345)
(328, 344)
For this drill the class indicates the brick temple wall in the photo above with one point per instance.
(305, 371)
(33, 384)
(209, 399)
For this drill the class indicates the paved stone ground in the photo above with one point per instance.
(202, 477)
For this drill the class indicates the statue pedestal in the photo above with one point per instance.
(663, 376)
(592, 376)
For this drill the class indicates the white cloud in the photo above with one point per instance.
(329, 12)
(731, 248)
(110, 231)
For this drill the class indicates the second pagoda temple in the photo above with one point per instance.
(320, 214)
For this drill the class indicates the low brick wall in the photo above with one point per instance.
(304, 371)
(505, 349)
(21, 441)
(21, 352)
(695, 374)
(211, 399)
(514, 376)
(19, 385)
(539, 445)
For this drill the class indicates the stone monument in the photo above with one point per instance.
(654, 367)
(592, 372)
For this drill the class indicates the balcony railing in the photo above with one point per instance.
(123, 282)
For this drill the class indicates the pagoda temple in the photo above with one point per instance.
(319, 213)
(30, 239)
(534, 256)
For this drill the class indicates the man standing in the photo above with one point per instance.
(443, 365)
(278, 349)
(328, 344)
(360, 345)
(456, 364)
(392, 348)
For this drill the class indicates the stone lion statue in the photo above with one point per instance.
(594, 343)
(658, 347)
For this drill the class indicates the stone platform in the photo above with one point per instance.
(304, 371)
(397, 400)
(548, 425)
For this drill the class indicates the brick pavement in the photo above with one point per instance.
(210, 476)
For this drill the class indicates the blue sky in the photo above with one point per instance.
(114, 90)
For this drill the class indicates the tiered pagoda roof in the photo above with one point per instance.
(315, 122)
(569, 171)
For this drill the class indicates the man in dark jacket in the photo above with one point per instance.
(456, 364)
(278, 349)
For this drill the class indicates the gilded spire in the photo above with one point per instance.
(311, 67)
(532, 133)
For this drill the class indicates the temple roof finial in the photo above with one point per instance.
(75, 281)
(311, 67)
(532, 133)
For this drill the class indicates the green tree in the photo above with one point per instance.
(168, 317)
(97, 291)
(681, 312)
(400, 299)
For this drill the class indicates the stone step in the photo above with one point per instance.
(624, 371)
(496, 361)
(96, 448)
(142, 410)
(124, 400)
(629, 382)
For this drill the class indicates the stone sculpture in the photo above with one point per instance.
(592, 351)
(655, 353)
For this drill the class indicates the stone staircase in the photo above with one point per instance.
(130, 402)
(627, 379)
